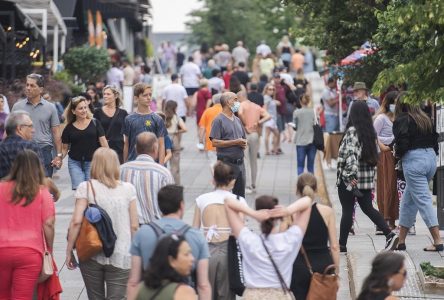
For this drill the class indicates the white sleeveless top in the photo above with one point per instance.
(215, 197)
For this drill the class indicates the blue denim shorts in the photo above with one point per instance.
(79, 171)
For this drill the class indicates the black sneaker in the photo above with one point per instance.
(391, 241)
(342, 249)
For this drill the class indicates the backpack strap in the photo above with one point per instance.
(183, 230)
(157, 229)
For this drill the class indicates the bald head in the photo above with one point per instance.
(226, 97)
(146, 143)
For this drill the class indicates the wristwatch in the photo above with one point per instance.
(59, 155)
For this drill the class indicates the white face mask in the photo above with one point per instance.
(392, 108)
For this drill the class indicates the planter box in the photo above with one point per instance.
(429, 283)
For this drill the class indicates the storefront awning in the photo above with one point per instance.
(46, 15)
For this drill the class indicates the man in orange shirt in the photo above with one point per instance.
(297, 60)
(205, 128)
(252, 116)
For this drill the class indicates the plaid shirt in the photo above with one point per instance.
(10, 147)
(349, 164)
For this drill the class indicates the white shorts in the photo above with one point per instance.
(270, 124)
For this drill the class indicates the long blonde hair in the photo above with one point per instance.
(105, 167)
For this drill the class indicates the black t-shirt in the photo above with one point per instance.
(84, 142)
(242, 76)
(256, 97)
(114, 135)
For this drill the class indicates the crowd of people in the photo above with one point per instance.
(125, 170)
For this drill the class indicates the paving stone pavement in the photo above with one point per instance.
(277, 176)
(364, 246)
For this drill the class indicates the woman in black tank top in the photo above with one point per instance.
(316, 244)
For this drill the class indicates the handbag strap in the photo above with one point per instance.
(307, 261)
(93, 191)
(281, 279)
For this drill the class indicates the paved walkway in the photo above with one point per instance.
(277, 176)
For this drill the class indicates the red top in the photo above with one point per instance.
(23, 226)
(227, 78)
(203, 95)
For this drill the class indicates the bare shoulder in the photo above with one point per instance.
(325, 210)
(185, 292)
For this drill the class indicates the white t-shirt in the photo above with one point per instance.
(240, 54)
(190, 73)
(177, 93)
(216, 83)
(263, 49)
(258, 269)
(215, 197)
(114, 77)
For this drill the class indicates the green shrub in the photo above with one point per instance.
(88, 63)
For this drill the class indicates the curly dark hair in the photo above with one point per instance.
(160, 268)
(361, 119)
(384, 265)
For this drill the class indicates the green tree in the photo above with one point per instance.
(88, 63)
(251, 21)
(410, 38)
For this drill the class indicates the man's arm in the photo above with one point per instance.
(203, 284)
(57, 161)
(223, 144)
(125, 148)
(265, 116)
(161, 150)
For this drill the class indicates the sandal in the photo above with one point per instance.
(401, 247)
(268, 153)
(434, 248)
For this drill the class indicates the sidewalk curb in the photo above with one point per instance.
(352, 286)
(322, 186)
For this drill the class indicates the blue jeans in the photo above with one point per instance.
(79, 171)
(308, 151)
(47, 159)
(331, 123)
(419, 166)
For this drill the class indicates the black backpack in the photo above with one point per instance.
(160, 233)
(106, 232)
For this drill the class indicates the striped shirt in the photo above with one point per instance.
(148, 177)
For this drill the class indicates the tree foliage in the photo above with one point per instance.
(410, 36)
(88, 63)
(407, 33)
(251, 21)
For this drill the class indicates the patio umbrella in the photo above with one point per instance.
(356, 56)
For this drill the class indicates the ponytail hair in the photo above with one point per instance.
(266, 202)
(307, 185)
